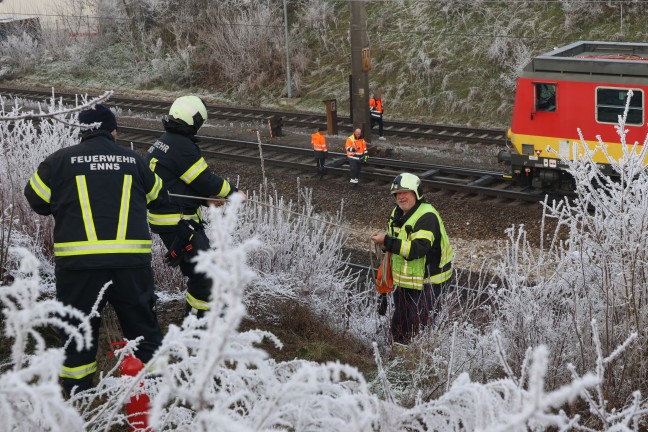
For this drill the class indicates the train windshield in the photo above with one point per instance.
(545, 97)
(611, 102)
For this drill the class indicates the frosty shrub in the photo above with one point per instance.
(513, 53)
(208, 376)
(19, 54)
(301, 261)
(244, 44)
(581, 11)
(213, 378)
(31, 396)
(165, 67)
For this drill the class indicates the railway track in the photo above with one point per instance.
(306, 120)
(378, 170)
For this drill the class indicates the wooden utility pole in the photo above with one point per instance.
(360, 65)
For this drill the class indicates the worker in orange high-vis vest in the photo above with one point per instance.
(318, 140)
(356, 151)
(376, 113)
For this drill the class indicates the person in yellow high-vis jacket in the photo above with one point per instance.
(421, 259)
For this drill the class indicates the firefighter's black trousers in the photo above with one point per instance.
(198, 285)
(132, 296)
(413, 310)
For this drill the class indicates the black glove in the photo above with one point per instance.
(365, 158)
(382, 306)
(182, 248)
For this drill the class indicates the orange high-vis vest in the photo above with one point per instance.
(355, 147)
(319, 142)
(376, 104)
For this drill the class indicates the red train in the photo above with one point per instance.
(583, 85)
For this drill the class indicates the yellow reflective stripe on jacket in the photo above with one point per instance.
(79, 371)
(153, 163)
(407, 281)
(406, 245)
(102, 247)
(194, 171)
(171, 218)
(155, 190)
(438, 278)
(197, 304)
(124, 207)
(86, 211)
(40, 188)
(225, 190)
(422, 234)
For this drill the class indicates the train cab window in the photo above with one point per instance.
(611, 102)
(545, 97)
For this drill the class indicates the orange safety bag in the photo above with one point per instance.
(384, 279)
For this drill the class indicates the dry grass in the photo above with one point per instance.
(306, 337)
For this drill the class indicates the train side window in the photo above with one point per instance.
(545, 97)
(611, 102)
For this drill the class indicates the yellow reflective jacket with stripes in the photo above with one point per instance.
(177, 159)
(98, 193)
(421, 250)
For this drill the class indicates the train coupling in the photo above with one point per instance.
(504, 156)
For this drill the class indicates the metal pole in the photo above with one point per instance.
(288, 84)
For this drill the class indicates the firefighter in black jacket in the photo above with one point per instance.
(177, 159)
(98, 193)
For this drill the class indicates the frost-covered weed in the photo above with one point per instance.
(31, 397)
(301, 261)
(212, 377)
(208, 376)
(19, 54)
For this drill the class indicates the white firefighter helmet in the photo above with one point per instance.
(407, 182)
(190, 110)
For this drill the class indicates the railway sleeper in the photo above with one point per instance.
(429, 173)
(335, 162)
(483, 181)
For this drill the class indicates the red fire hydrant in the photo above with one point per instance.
(138, 407)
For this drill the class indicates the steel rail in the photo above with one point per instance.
(381, 170)
(300, 119)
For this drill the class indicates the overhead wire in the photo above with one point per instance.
(223, 200)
